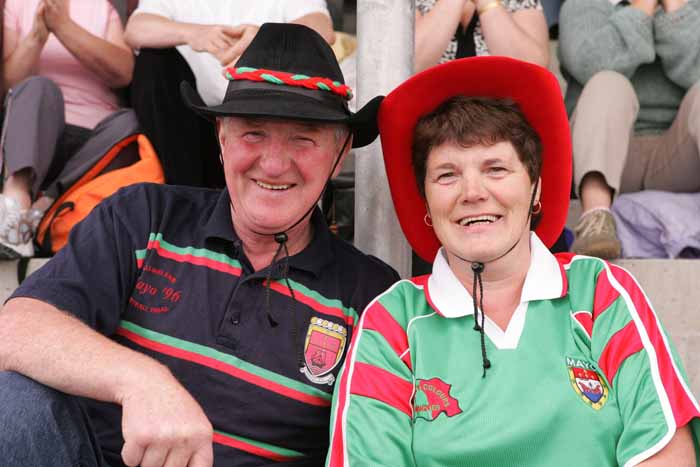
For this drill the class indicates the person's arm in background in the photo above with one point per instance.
(595, 36)
(147, 30)
(110, 59)
(319, 22)
(677, 35)
(520, 34)
(20, 55)
(436, 28)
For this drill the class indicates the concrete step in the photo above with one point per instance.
(671, 285)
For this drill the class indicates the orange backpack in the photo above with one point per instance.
(98, 183)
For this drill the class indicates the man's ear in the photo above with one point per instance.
(220, 133)
(345, 153)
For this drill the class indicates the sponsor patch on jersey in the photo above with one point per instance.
(587, 382)
(433, 398)
(323, 349)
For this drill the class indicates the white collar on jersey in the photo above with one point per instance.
(544, 281)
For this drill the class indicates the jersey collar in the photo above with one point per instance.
(312, 259)
(545, 280)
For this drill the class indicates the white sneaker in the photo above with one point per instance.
(16, 230)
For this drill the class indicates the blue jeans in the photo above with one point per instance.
(42, 427)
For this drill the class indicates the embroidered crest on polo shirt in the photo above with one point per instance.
(323, 349)
(433, 398)
(587, 382)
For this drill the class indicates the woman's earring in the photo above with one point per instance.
(537, 207)
(428, 221)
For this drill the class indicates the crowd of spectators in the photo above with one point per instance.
(631, 70)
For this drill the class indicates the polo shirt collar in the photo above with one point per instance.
(545, 280)
(312, 259)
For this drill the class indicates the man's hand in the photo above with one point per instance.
(40, 31)
(56, 14)
(213, 39)
(164, 426)
(244, 35)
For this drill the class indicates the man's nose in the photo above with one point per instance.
(275, 160)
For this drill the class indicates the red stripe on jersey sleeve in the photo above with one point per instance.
(605, 294)
(378, 318)
(682, 403)
(585, 320)
(621, 345)
(379, 384)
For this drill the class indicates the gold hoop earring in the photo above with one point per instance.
(428, 221)
(537, 207)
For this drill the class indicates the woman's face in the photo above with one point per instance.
(479, 199)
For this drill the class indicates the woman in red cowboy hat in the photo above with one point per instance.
(505, 354)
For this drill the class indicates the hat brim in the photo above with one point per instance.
(278, 103)
(538, 95)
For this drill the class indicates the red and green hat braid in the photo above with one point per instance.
(289, 79)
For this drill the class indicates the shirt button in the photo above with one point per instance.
(235, 321)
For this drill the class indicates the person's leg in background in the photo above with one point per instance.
(186, 144)
(675, 163)
(606, 110)
(34, 124)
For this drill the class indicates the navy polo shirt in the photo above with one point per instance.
(160, 270)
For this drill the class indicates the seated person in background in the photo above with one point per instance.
(506, 355)
(634, 101)
(62, 62)
(186, 316)
(209, 35)
(450, 29)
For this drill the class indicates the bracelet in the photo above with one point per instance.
(489, 6)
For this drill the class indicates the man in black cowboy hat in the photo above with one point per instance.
(222, 317)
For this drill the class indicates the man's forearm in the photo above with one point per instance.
(54, 348)
(145, 30)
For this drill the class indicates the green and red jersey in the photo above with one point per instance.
(583, 375)
(160, 270)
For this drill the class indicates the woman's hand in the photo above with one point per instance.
(467, 13)
(40, 30)
(56, 14)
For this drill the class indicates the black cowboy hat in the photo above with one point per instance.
(289, 71)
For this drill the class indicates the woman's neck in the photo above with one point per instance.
(502, 280)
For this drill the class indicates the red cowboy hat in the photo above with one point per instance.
(532, 87)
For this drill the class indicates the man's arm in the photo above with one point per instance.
(160, 418)
(21, 55)
(110, 59)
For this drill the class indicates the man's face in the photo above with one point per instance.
(275, 169)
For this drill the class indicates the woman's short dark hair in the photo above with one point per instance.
(471, 121)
